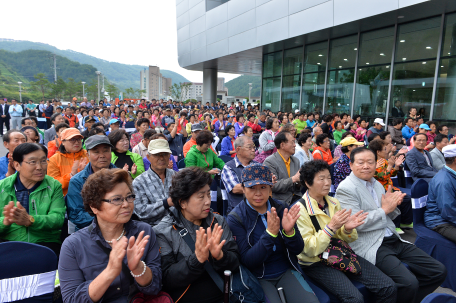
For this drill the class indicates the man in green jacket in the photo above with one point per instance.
(202, 156)
(32, 202)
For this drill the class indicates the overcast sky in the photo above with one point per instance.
(132, 32)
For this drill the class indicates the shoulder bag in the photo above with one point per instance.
(338, 255)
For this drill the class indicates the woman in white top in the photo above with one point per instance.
(302, 151)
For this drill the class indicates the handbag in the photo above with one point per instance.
(244, 286)
(338, 255)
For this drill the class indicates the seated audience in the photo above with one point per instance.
(121, 156)
(377, 128)
(114, 255)
(285, 167)
(338, 150)
(31, 133)
(438, 160)
(322, 151)
(268, 237)
(176, 140)
(378, 242)
(185, 278)
(152, 187)
(232, 171)
(11, 139)
(172, 162)
(228, 142)
(338, 131)
(240, 124)
(99, 155)
(342, 166)
(361, 130)
(33, 209)
(54, 145)
(70, 158)
(419, 161)
(32, 122)
(220, 126)
(408, 131)
(440, 207)
(303, 147)
(338, 223)
(142, 125)
(431, 131)
(300, 122)
(202, 156)
(316, 131)
(387, 166)
(266, 140)
(50, 133)
(443, 129)
(141, 147)
(114, 124)
(396, 133)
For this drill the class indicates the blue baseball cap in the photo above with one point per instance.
(256, 174)
(425, 126)
(112, 121)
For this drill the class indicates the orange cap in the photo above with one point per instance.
(75, 99)
(70, 133)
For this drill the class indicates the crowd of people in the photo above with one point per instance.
(295, 183)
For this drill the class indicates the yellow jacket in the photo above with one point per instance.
(315, 243)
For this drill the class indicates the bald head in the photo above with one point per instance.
(317, 131)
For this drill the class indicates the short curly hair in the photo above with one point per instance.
(320, 139)
(101, 183)
(187, 182)
(310, 169)
(204, 137)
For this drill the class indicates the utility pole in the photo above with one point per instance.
(250, 90)
(55, 68)
(20, 92)
(98, 87)
(83, 92)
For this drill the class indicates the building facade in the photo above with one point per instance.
(153, 82)
(195, 90)
(373, 58)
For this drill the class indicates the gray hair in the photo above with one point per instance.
(240, 141)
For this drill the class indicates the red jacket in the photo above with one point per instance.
(255, 127)
(72, 120)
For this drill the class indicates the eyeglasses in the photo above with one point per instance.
(119, 200)
(73, 140)
(34, 163)
(251, 147)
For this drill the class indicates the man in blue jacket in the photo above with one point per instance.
(99, 154)
(407, 130)
(440, 215)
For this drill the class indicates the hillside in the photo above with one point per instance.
(123, 75)
(240, 86)
(9, 88)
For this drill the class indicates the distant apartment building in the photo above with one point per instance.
(195, 90)
(153, 82)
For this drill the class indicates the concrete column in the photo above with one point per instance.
(209, 85)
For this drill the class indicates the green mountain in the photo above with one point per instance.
(123, 75)
(9, 87)
(240, 86)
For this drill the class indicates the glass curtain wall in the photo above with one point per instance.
(372, 81)
(445, 100)
(414, 68)
(341, 74)
(272, 79)
(313, 84)
(291, 86)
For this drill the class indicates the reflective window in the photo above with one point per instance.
(339, 91)
(343, 52)
(418, 40)
(445, 99)
(291, 86)
(315, 57)
(412, 87)
(210, 4)
(313, 89)
(372, 83)
(271, 94)
(272, 65)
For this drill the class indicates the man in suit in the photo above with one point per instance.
(4, 116)
(419, 160)
(378, 242)
(397, 110)
(438, 160)
(285, 167)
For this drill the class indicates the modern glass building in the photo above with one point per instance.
(373, 58)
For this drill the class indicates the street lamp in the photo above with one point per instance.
(98, 87)
(250, 90)
(20, 92)
(83, 92)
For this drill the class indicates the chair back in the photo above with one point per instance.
(332, 191)
(181, 164)
(439, 298)
(419, 194)
(27, 272)
(408, 176)
(225, 158)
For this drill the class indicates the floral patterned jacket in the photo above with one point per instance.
(384, 177)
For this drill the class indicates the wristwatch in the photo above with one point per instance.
(32, 220)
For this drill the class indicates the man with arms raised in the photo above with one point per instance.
(378, 242)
